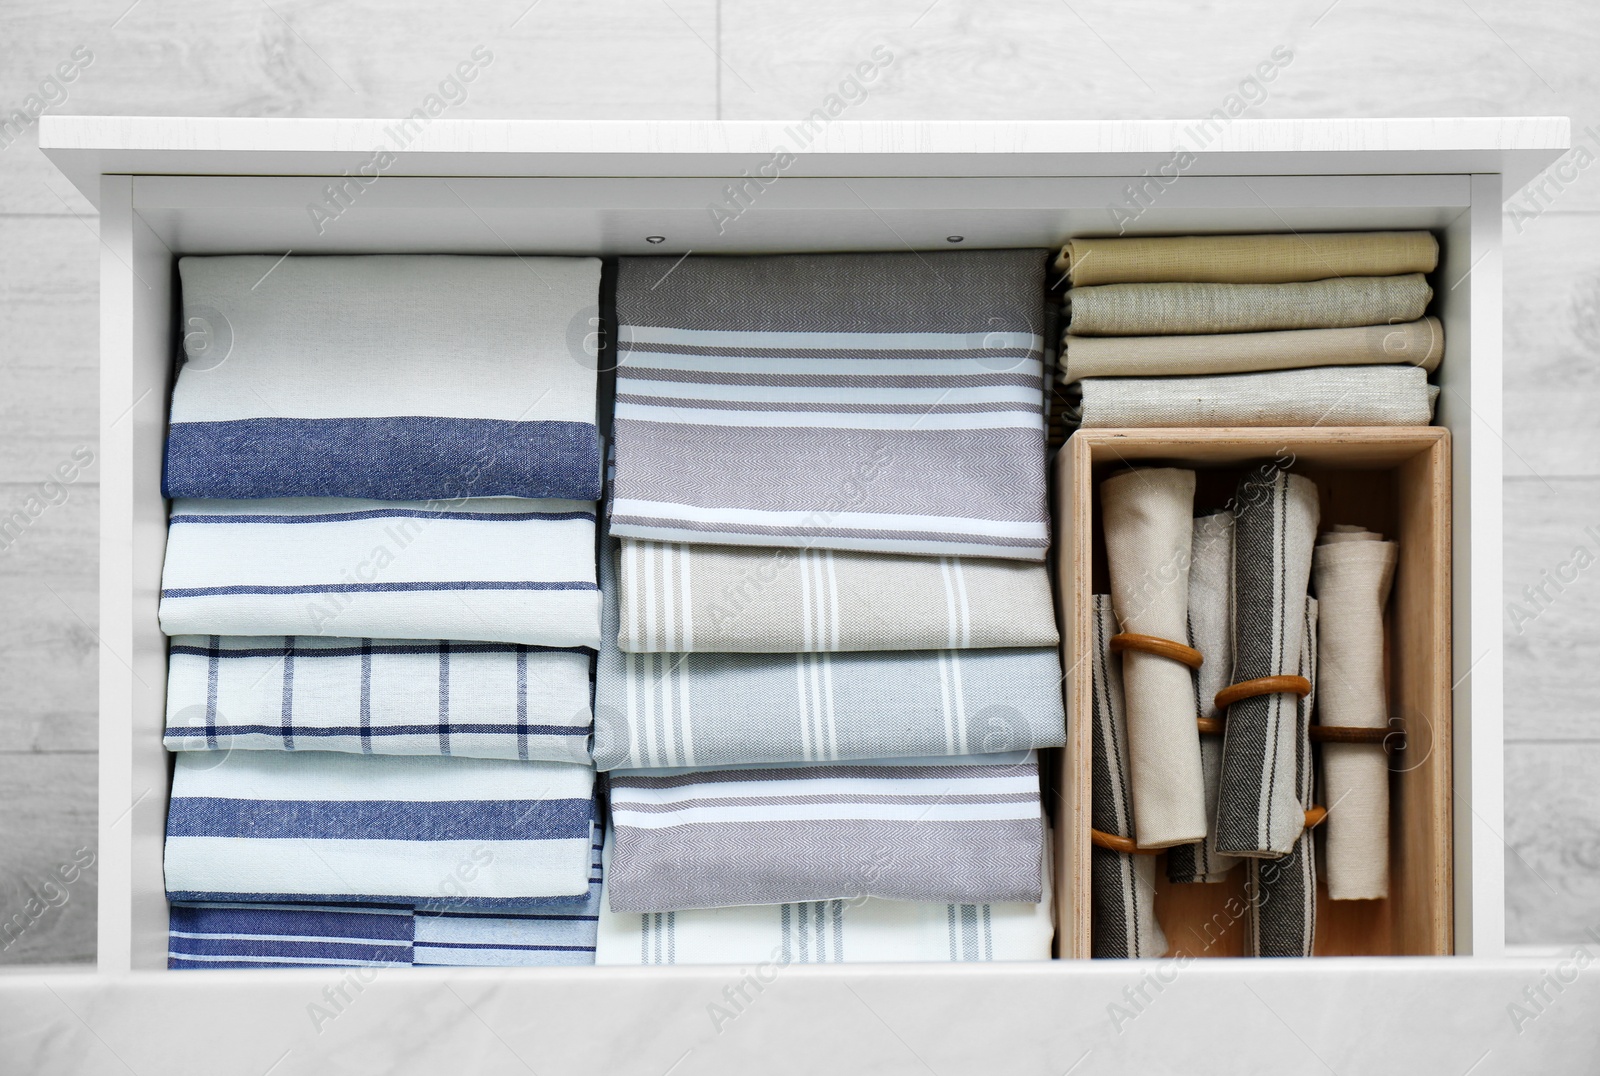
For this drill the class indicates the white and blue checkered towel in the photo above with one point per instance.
(324, 827)
(378, 696)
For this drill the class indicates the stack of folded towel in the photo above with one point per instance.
(829, 650)
(381, 585)
(1252, 330)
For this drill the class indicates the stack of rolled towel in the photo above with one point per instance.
(1233, 588)
(380, 584)
(830, 652)
(1250, 330)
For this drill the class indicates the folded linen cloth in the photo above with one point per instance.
(769, 937)
(740, 599)
(213, 934)
(1123, 918)
(935, 830)
(492, 569)
(1149, 529)
(1178, 309)
(1282, 907)
(677, 709)
(1259, 809)
(1324, 396)
(1351, 571)
(1416, 343)
(888, 402)
(378, 696)
(324, 827)
(399, 377)
(1246, 259)
(1211, 633)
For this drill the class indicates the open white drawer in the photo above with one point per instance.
(168, 187)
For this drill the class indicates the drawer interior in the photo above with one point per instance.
(176, 215)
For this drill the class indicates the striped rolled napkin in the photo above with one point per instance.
(881, 402)
(1282, 893)
(1259, 808)
(494, 569)
(936, 830)
(396, 377)
(378, 696)
(1123, 885)
(322, 827)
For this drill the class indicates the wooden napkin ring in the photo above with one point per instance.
(1265, 685)
(1213, 726)
(1125, 845)
(1155, 644)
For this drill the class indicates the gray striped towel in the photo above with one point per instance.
(889, 402)
(1211, 633)
(1282, 893)
(937, 830)
(740, 599)
(675, 709)
(1123, 886)
(378, 696)
(1259, 810)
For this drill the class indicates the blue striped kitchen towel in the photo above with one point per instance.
(553, 932)
(964, 830)
(379, 696)
(395, 377)
(890, 402)
(491, 569)
(325, 827)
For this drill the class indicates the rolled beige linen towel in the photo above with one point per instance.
(1246, 259)
(1324, 396)
(1414, 343)
(1175, 309)
(1211, 633)
(1148, 531)
(1351, 571)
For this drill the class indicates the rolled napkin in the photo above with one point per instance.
(1178, 309)
(1211, 633)
(1324, 396)
(885, 402)
(1123, 915)
(1351, 571)
(767, 937)
(492, 569)
(936, 830)
(322, 827)
(1247, 259)
(398, 377)
(1281, 919)
(378, 696)
(244, 935)
(740, 599)
(1416, 343)
(728, 709)
(1148, 532)
(1259, 810)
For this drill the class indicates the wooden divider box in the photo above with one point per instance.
(1392, 480)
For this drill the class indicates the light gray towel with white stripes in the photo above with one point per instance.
(681, 709)
(741, 599)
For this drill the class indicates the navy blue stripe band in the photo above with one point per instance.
(383, 588)
(456, 729)
(504, 945)
(382, 513)
(381, 820)
(396, 458)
